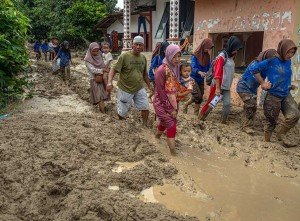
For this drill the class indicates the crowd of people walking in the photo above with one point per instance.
(58, 54)
(171, 81)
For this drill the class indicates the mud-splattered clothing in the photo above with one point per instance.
(162, 105)
(196, 67)
(197, 93)
(248, 83)
(198, 89)
(279, 73)
(247, 90)
(97, 91)
(225, 74)
(250, 105)
(274, 104)
(186, 82)
(65, 57)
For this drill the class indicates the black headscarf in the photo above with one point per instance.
(162, 49)
(233, 44)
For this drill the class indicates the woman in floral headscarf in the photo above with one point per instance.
(165, 102)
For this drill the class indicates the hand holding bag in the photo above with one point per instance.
(99, 78)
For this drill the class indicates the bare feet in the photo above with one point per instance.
(185, 109)
(158, 134)
(173, 151)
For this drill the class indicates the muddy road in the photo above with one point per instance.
(60, 159)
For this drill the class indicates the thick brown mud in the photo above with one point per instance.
(63, 160)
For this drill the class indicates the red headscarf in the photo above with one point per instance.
(203, 57)
(266, 54)
(156, 49)
(284, 46)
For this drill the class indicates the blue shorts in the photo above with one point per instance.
(140, 99)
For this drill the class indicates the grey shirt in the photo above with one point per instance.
(228, 72)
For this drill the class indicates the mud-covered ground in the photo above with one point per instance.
(60, 159)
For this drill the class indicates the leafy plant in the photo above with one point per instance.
(72, 20)
(13, 54)
(82, 17)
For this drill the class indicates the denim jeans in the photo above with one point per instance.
(142, 21)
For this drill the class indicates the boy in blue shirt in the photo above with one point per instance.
(64, 54)
(36, 49)
(44, 48)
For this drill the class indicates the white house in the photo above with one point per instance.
(170, 20)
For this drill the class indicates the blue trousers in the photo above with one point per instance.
(142, 21)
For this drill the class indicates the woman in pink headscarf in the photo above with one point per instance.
(95, 65)
(165, 101)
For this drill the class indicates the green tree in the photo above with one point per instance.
(110, 5)
(59, 18)
(13, 54)
(82, 17)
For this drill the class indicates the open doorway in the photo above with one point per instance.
(252, 41)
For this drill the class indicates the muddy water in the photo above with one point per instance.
(219, 188)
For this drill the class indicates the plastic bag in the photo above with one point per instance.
(262, 98)
(56, 65)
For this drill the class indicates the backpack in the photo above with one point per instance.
(211, 72)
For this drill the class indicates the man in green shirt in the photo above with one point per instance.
(131, 66)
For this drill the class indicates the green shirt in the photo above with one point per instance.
(131, 69)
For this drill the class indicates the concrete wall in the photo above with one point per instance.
(275, 18)
(296, 58)
(278, 19)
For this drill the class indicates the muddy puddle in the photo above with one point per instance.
(215, 187)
